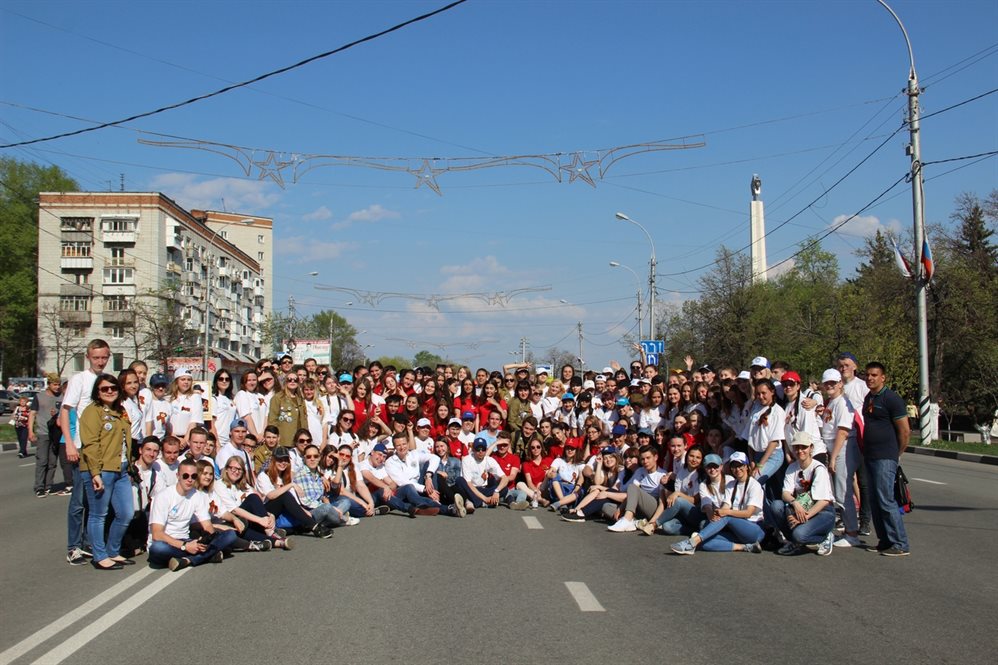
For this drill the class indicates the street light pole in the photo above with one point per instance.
(207, 298)
(914, 150)
(618, 264)
(652, 265)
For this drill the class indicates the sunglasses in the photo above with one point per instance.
(711, 467)
(223, 378)
(311, 457)
(188, 476)
(347, 420)
(233, 468)
(303, 440)
(108, 389)
(266, 378)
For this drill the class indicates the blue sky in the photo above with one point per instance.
(798, 92)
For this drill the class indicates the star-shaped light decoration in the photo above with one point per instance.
(271, 167)
(427, 175)
(579, 169)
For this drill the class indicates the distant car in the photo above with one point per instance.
(8, 401)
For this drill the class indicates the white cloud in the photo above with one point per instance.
(864, 226)
(781, 269)
(371, 214)
(246, 196)
(478, 274)
(305, 249)
(320, 214)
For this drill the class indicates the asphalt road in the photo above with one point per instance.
(491, 589)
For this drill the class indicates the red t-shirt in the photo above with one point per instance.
(536, 471)
(556, 451)
(507, 462)
(483, 411)
(464, 404)
(457, 448)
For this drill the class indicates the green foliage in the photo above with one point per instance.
(327, 324)
(398, 362)
(20, 183)
(426, 359)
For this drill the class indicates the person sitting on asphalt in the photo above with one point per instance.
(237, 504)
(280, 496)
(678, 511)
(515, 498)
(643, 491)
(806, 513)
(352, 486)
(407, 468)
(313, 491)
(169, 525)
(734, 527)
(606, 492)
(564, 478)
(534, 470)
(482, 480)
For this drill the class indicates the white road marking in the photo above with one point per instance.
(931, 482)
(21, 466)
(108, 619)
(584, 597)
(71, 617)
(532, 522)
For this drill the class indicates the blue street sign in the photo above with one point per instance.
(656, 346)
(651, 359)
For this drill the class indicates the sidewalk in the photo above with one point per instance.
(953, 454)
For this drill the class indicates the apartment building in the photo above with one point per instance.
(107, 259)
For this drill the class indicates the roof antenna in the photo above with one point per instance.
(223, 205)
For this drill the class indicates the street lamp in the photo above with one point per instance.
(914, 150)
(207, 298)
(618, 264)
(651, 274)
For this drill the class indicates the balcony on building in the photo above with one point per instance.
(119, 229)
(118, 317)
(83, 290)
(76, 263)
(75, 318)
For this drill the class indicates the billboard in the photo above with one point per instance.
(320, 349)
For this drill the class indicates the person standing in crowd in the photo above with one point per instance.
(855, 390)
(287, 411)
(224, 409)
(44, 416)
(105, 456)
(21, 419)
(76, 399)
(156, 414)
(186, 407)
(837, 421)
(885, 438)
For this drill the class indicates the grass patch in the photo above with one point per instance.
(959, 446)
(7, 431)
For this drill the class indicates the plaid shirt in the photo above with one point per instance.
(311, 482)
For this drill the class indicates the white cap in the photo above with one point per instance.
(600, 377)
(542, 369)
(183, 371)
(423, 422)
(831, 375)
(738, 456)
(588, 385)
(635, 383)
(760, 361)
(744, 374)
(608, 370)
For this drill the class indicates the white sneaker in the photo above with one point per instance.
(826, 546)
(353, 521)
(623, 525)
(533, 504)
(848, 541)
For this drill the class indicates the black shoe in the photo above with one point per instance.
(412, 512)
(124, 561)
(864, 529)
(114, 566)
(572, 517)
(40, 494)
(179, 563)
(21, 455)
(218, 557)
(879, 547)
(259, 546)
(321, 531)
(382, 510)
(280, 533)
(894, 551)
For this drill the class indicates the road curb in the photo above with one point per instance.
(954, 454)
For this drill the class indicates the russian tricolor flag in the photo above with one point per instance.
(901, 261)
(928, 266)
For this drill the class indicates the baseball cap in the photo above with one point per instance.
(607, 370)
(345, 378)
(635, 383)
(541, 370)
(791, 376)
(712, 459)
(183, 371)
(600, 377)
(454, 421)
(237, 422)
(738, 457)
(831, 375)
(760, 361)
(480, 444)
(619, 429)
(609, 450)
(706, 368)
(644, 431)
(573, 443)
(568, 397)
(623, 401)
(467, 415)
(380, 448)
(745, 375)
(159, 379)
(280, 452)
(423, 422)
(847, 356)
(801, 439)
(588, 385)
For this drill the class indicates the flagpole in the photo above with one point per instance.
(923, 267)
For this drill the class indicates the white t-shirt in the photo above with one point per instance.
(567, 473)
(158, 413)
(135, 417)
(77, 395)
(799, 419)
(648, 482)
(166, 476)
(477, 473)
(315, 426)
(758, 433)
(815, 476)
(711, 495)
(251, 405)
(144, 398)
(426, 445)
(856, 391)
(650, 418)
(838, 413)
(406, 472)
(184, 410)
(742, 495)
(688, 482)
(175, 511)
(380, 472)
(225, 413)
(226, 498)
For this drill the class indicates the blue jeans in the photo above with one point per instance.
(464, 489)
(810, 532)
(117, 493)
(76, 534)
(681, 516)
(161, 552)
(773, 464)
(325, 514)
(722, 535)
(884, 507)
(355, 509)
(566, 490)
(406, 497)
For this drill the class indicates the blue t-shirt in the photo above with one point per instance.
(880, 410)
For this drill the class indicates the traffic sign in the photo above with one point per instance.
(653, 346)
(651, 359)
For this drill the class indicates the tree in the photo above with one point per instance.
(398, 362)
(66, 341)
(20, 183)
(557, 357)
(426, 359)
(160, 328)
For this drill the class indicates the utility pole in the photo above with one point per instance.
(523, 349)
(291, 323)
(581, 361)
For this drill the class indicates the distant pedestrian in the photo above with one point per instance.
(20, 420)
(44, 416)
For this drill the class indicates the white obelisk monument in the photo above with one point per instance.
(757, 232)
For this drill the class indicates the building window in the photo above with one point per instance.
(259, 256)
(76, 223)
(116, 304)
(117, 225)
(115, 332)
(74, 249)
(82, 278)
(74, 303)
(225, 235)
(260, 239)
(117, 256)
(118, 276)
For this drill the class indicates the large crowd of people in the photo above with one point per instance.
(722, 459)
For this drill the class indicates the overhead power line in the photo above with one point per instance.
(257, 79)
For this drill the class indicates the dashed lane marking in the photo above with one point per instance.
(583, 597)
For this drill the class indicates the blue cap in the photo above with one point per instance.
(380, 448)
(844, 356)
(619, 429)
(158, 379)
(645, 431)
(345, 378)
(467, 415)
(712, 459)
(237, 422)
(609, 450)
(480, 443)
(567, 396)
(623, 401)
